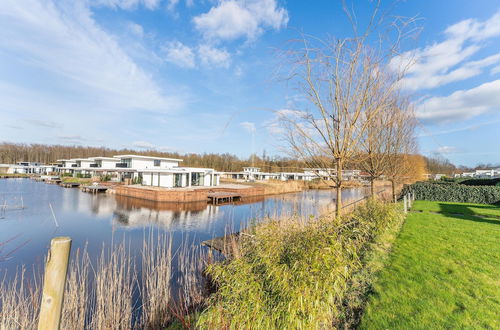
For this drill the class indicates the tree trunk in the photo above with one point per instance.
(372, 187)
(338, 205)
(393, 184)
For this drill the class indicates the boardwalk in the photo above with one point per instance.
(223, 197)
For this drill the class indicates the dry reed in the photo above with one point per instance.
(105, 295)
(156, 277)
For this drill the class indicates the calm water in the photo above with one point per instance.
(101, 219)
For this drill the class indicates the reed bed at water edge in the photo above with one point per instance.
(112, 292)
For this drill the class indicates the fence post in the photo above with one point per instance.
(405, 203)
(409, 201)
(53, 283)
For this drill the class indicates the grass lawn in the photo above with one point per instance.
(457, 208)
(443, 272)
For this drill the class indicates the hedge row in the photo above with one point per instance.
(482, 182)
(454, 193)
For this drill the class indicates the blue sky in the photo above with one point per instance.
(197, 75)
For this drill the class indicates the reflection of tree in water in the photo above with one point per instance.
(121, 218)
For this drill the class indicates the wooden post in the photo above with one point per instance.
(54, 283)
(405, 204)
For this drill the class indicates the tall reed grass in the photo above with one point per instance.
(113, 291)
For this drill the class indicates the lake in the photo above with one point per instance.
(97, 220)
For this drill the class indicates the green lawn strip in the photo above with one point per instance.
(457, 208)
(443, 273)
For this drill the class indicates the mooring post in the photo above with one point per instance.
(405, 203)
(54, 283)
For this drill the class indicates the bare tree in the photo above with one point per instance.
(401, 144)
(347, 83)
(374, 154)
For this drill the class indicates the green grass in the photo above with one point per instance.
(457, 208)
(76, 180)
(443, 272)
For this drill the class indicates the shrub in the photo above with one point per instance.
(294, 275)
(454, 193)
(481, 182)
(105, 178)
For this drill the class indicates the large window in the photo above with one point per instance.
(157, 162)
(177, 180)
(127, 162)
(197, 179)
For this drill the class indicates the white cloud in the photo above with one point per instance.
(446, 150)
(495, 70)
(235, 19)
(171, 4)
(61, 40)
(136, 29)
(248, 126)
(43, 123)
(180, 54)
(211, 56)
(126, 4)
(461, 104)
(76, 139)
(143, 145)
(150, 146)
(446, 62)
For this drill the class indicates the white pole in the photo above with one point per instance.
(405, 204)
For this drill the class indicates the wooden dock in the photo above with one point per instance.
(69, 184)
(223, 197)
(94, 189)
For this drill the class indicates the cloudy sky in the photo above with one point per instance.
(197, 75)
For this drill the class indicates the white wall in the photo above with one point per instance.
(108, 163)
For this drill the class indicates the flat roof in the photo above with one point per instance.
(105, 158)
(176, 170)
(146, 157)
(84, 159)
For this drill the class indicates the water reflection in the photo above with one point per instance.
(99, 219)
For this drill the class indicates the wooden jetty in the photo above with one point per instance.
(69, 184)
(223, 197)
(94, 189)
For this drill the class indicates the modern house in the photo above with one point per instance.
(255, 174)
(147, 170)
(27, 168)
(481, 174)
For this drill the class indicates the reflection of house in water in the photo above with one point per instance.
(135, 212)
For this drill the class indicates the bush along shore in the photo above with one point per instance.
(301, 274)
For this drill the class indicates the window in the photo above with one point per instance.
(197, 179)
(127, 162)
(157, 162)
(177, 180)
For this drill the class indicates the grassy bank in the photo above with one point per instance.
(443, 272)
(70, 179)
(301, 274)
(13, 175)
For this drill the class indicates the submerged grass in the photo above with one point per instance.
(294, 274)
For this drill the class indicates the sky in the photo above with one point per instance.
(200, 75)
